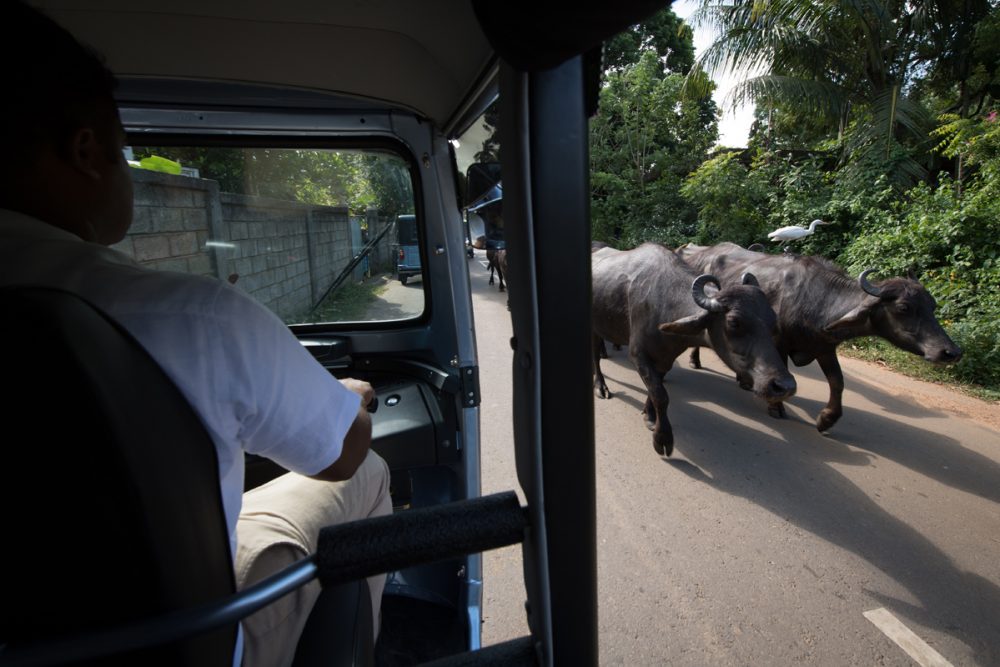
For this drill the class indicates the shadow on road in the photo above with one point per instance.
(791, 476)
(892, 403)
(925, 451)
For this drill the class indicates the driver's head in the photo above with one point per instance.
(59, 127)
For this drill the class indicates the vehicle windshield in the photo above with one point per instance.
(310, 233)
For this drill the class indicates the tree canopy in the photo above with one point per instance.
(357, 180)
(653, 127)
(879, 116)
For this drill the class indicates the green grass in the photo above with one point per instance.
(913, 366)
(350, 302)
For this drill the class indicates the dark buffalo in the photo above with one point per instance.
(819, 307)
(496, 258)
(594, 246)
(497, 261)
(652, 301)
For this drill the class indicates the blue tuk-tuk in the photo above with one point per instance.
(408, 259)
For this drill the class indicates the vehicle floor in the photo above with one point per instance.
(416, 631)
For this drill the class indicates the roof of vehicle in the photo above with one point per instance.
(429, 56)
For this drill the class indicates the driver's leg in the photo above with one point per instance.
(279, 525)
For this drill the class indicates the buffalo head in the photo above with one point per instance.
(902, 311)
(741, 325)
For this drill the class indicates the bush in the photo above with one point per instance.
(731, 201)
(952, 243)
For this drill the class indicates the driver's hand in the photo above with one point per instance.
(361, 388)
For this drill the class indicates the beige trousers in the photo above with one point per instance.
(279, 525)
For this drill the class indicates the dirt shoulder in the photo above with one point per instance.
(928, 393)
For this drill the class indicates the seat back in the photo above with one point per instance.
(111, 508)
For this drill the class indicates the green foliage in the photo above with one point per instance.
(224, 165)
(952, 241)
(846, 94)
(663, 33)
(349, 303)
(490, 150)
(357, 180)
(883, 352)
(731, 200)
(649, 133)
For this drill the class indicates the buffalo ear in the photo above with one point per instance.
(857, 317)
(686, 326)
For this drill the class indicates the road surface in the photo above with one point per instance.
(761, 541)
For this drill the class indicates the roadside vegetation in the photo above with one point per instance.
(349, 302)
(880, 117)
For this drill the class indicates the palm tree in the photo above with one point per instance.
(849, 63)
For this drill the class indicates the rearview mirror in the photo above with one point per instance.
(482, 185)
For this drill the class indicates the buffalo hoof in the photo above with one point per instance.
(602, 391)
(663, 443)
(826, 420)
(503, 289)
(777, 410)
(650, 424)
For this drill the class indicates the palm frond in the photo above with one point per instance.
(890, 108)
(817, 97)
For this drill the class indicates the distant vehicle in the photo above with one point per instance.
(408, 260)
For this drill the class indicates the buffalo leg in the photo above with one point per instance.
(657, 401)
(777, 408)
(829, 415)
(600, 386)
(649, 414)
(500, 276)
(694, 361)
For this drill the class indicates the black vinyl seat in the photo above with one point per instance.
(111, 507)
(110, 494)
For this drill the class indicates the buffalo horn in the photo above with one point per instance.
(867, 286)
(710, 304)
(749, 279)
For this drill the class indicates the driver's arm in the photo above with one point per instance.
(358, 439)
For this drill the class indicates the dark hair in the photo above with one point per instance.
(53, 84)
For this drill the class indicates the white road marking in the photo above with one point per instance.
(914, 646)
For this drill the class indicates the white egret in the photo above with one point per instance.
(794, 232)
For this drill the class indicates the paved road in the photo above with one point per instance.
(761, 541)
(398, 301)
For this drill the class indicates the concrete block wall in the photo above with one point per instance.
(170, 225)
(284, 254)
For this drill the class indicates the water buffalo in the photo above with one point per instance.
(496, 257)
(819, 307)
(497, 261)
(652, 301)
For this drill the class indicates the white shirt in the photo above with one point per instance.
(254, 386)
